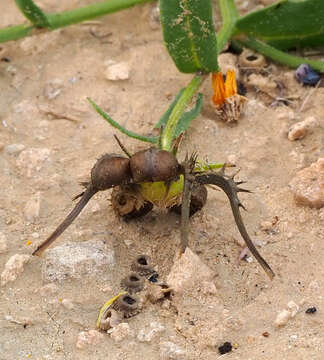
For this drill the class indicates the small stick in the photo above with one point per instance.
(186, 197)
(311, 91)
(85, 197)
(122, 146)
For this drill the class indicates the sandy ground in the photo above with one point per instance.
(53, 74)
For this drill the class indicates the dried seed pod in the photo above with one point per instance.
(158, 292)
(127, 304)
(142, 265)
(197, 200)
(110, 170)
(109, 319)
(133, 283)
(128, 203)
(152, 165)
(251, 59)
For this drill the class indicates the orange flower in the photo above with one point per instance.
(227, 102)
(223, 90)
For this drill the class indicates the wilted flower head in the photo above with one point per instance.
(227, 102)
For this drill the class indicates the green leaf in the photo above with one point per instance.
(189, 34)
(165, 117)
(33, 13)
(287, 24)
(149, 139)
(188, 116)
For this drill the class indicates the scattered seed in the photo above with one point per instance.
(265, 334)
(311, 310)
(225, 348)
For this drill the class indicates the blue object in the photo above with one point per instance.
(305, 74)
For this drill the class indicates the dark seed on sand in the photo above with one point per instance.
(225, 348)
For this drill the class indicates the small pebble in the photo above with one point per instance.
(293, 308)
(14, 149)
(282, 318)
(146, 335)
(14, 267)
(265, 334)
(3, 243)
(120, 332)
(117, 71)
(225, 348)
(171, 351)
(308, 185)
(77, 260)
(300, 129)
(91, 337)
(189, 272)
(68, 304)
(154, 20)
(311, 310)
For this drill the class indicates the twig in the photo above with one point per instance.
(311, 92)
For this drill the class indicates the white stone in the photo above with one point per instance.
(68, 304)
(146, 335)
(300, 129)
(91, 337)
(3, 243)
(282, 318)
(188, 273)
(293, 308)
(117, 71)
(32, 207)
(308, 185)
(77, 260)
(14, 267)
(120, 332)
(172, 351)
(14, 149)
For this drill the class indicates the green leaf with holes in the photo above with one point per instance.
(287, 24)
(189, 34)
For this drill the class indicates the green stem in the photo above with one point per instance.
(167, 135)
(69, 17)
(91, 11)
(280, 56)
(229, 17)
(149, 139)
(15, 32)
